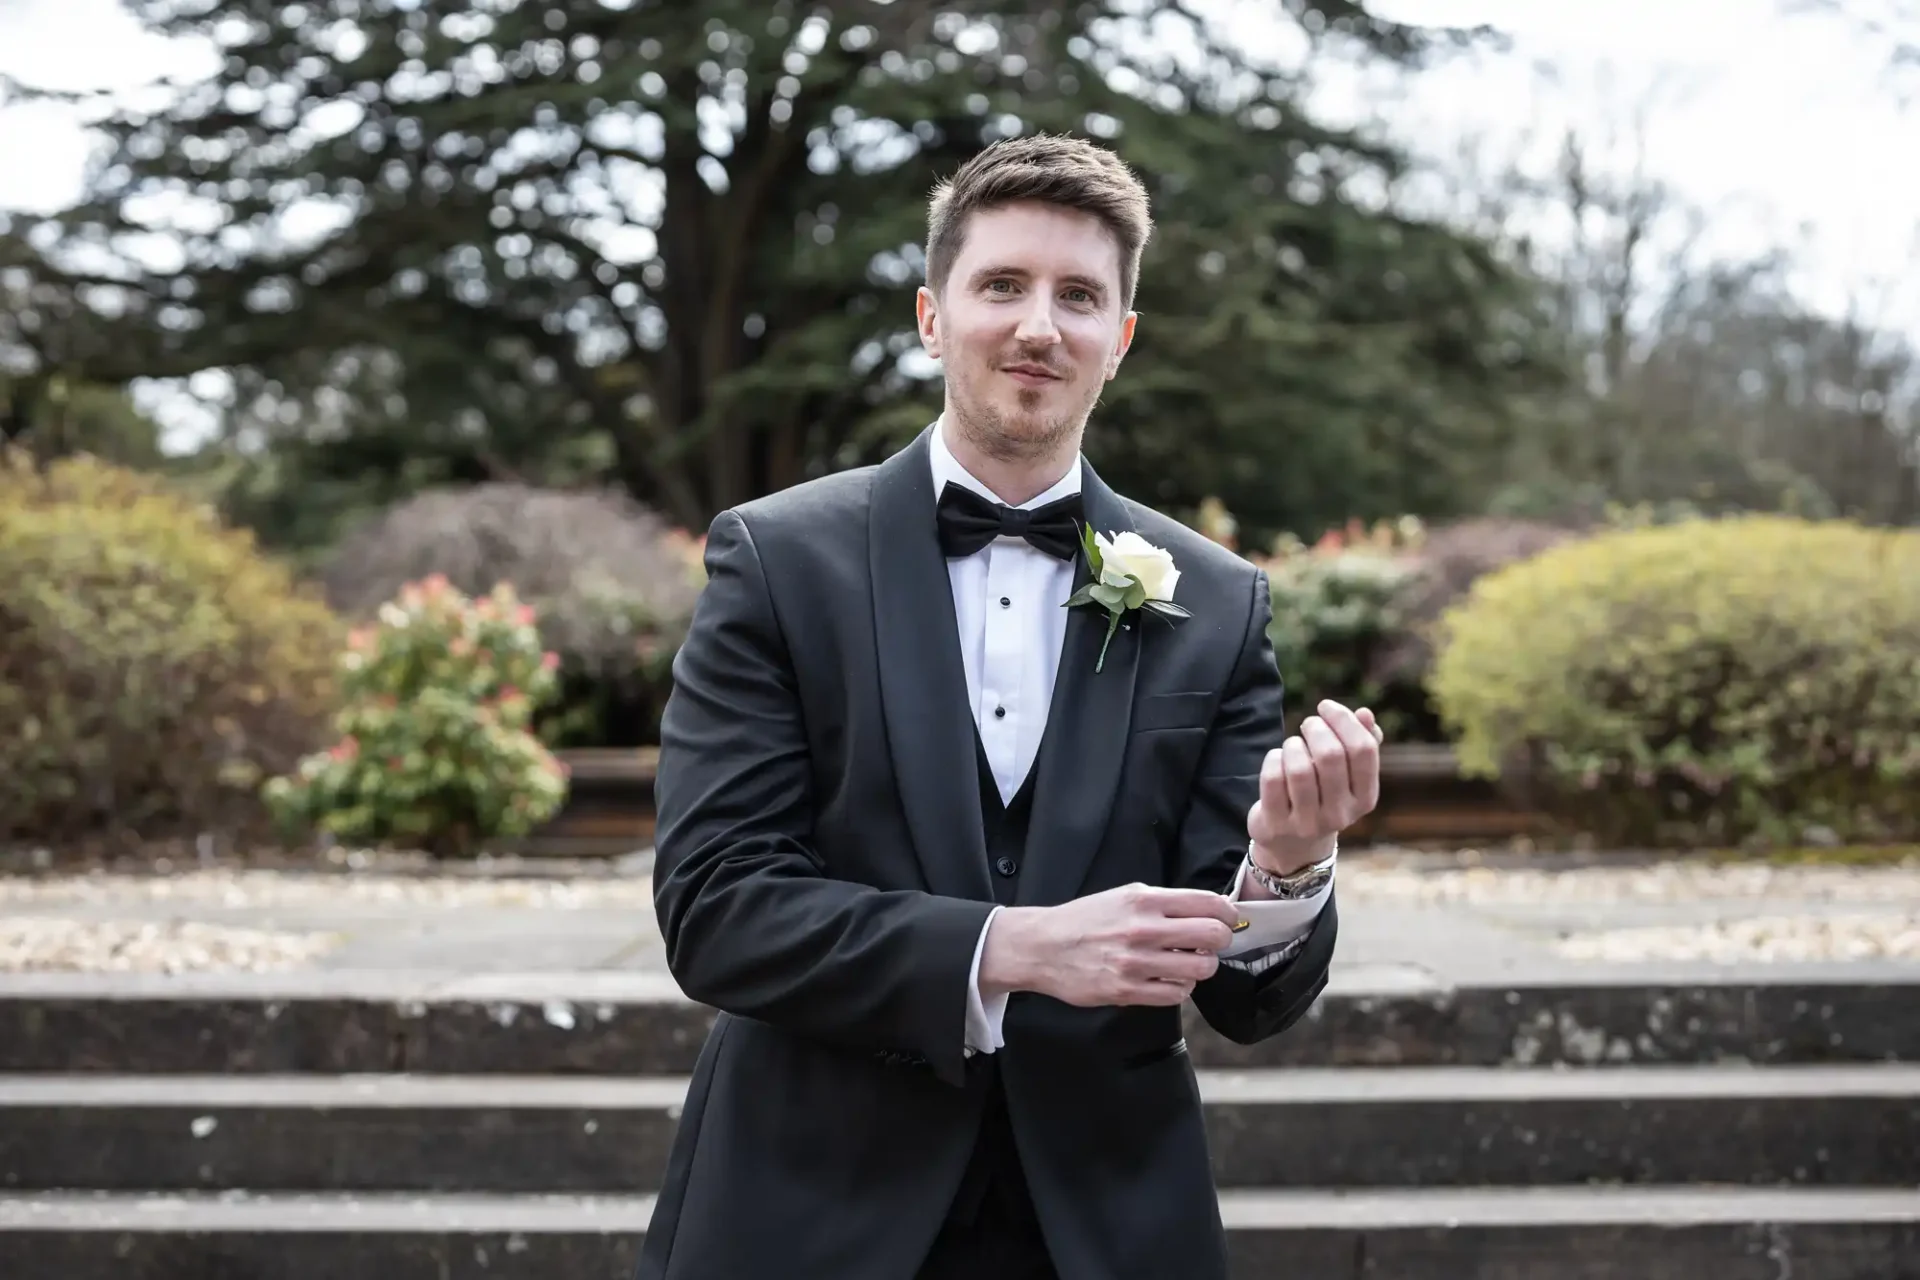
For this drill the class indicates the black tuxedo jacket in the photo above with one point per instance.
(821, 879)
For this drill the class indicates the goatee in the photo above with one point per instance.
(989, 430)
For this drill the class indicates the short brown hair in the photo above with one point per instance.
(1071, 172)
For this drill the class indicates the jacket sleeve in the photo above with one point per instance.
(1241, 1004)
(753, 923)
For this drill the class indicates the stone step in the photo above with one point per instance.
(1656, 1233)
(1277, 1129)
(617, 1023)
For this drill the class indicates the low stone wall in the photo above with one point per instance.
(1423, 798)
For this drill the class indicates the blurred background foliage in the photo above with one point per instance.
(529, 292)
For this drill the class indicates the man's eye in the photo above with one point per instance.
(1080, 295)
(999, 285)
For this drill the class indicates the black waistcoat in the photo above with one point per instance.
(993, 1193)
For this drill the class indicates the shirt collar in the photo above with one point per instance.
(947, 467)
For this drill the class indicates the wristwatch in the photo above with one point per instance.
(1303, 883)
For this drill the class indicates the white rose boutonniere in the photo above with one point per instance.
(1129, 574)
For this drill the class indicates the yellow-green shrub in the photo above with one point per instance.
(154, 667)
(1704, 682)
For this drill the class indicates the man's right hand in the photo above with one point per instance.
(1137, 944)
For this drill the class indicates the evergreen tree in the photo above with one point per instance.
(677, 244)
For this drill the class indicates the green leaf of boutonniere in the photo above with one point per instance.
(1120, 591)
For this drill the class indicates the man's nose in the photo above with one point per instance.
(1037, 324)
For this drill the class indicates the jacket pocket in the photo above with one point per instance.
(1173, 711)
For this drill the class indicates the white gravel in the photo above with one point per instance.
(1762, 940)
(1413, 882)
(104, 931)
(29, 943)
(236, 888)
(1367, 878)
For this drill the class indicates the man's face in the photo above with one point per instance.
(1029, 326)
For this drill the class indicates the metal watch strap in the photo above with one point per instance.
(1303, 883)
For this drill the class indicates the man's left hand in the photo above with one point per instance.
(1315, 785)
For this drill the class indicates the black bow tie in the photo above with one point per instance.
(969, 522)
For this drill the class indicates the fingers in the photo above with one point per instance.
(1188, 903)
(1188, 967)
(1273, 786)
(1188, 933)
(1359, 749)
(1328, 752)
(1303, 788)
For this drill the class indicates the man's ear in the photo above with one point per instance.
(1126, 341)
(926, 310)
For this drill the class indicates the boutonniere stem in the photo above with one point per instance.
(1129, 574)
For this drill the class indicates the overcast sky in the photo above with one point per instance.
(1788, 130)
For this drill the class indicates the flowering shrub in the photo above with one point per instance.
(1335, 605)
(613, 583)
(436, 750)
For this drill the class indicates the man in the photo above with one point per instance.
(949, 856)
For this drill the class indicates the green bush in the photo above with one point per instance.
(614, 586)
(436, 751)
(154, 668)
(1704, 682)
(1335, 606)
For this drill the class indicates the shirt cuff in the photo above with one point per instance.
(984, 1017)
(1274, 923)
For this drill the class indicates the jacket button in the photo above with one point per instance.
(1005, 866)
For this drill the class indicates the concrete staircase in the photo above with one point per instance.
(386, 1127)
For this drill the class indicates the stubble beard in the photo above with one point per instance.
(1032, 437)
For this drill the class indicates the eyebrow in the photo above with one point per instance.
(993, 271)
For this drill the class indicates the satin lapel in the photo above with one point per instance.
(923, 683)
(1085, 741)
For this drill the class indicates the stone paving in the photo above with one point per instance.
(1405, 916)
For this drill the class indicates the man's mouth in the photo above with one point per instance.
(1032, 375)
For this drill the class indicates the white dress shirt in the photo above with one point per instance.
(1007, 600)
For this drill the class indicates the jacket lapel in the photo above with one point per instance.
(1081, 753)
(923, 683)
